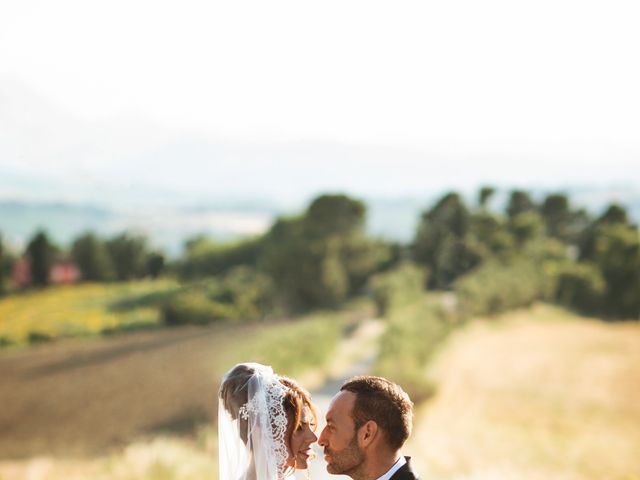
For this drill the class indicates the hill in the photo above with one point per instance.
(537, 394)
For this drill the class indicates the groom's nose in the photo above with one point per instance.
(322, 441)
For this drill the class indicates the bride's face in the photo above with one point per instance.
(301, 440)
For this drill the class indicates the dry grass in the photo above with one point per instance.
(161, 458)
(535, 394)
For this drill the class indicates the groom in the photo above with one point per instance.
(368, 421)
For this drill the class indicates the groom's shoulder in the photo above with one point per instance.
(405, 472)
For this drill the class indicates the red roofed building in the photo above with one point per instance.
(61, 272)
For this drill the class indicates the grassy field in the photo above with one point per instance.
(80, 310)
(415, 331)
(142, 405)
(534, 394)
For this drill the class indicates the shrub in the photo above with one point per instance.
(194, 307)
(242, 294)
(500, 285)
(205, 257)
(397, 287)
(250, 292)
(414, 333)
(581, 286)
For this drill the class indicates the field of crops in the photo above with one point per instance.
(143, 405)
(80, 310)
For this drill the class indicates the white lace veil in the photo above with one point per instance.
(252, 424)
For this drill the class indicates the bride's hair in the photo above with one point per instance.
(234, 393)
(295, 401)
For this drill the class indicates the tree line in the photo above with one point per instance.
(122, 257)
(493, 260)
(545, 250)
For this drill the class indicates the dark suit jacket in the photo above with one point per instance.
(405, 472)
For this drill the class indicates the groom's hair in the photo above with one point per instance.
(384, 402)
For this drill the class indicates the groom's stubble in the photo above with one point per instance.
(346, 461)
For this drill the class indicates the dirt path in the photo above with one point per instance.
(355, 357)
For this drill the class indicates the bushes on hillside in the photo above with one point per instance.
(397, 287)
(414, 333)
(580, 286)
(194, 307)
(204, 257)
(242, 294)
(503, 284)
(323, 256)
(616, 254)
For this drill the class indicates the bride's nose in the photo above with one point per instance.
(313, 438)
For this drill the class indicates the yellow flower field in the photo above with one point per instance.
(75, 310)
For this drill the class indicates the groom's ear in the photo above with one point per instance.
(368, 433)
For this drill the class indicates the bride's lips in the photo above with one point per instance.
(303, 454)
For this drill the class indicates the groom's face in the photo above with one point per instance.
(339, 438)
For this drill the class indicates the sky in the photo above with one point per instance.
(288, 97)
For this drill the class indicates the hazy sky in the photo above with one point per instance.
(503, 90)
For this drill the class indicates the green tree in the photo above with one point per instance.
(91, 255)
(617, 254)
(443, 244)
(560, 220)
(155, 264)
(491, 234)
(128, 255)
(580, 286)
(40, 252)
(556, 214)
(7, 260)
(2, 271)
(322, 257)
(205, 257)
(335, 215)
(484, 195)
(519, 202)
(526, 226)
(613, 215)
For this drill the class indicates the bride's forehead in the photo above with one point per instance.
(307, 416)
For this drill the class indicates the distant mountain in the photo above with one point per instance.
(19, 220)
(166, 228)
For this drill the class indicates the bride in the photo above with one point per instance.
(266, 424)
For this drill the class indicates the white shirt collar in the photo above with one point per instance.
(396, 466)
